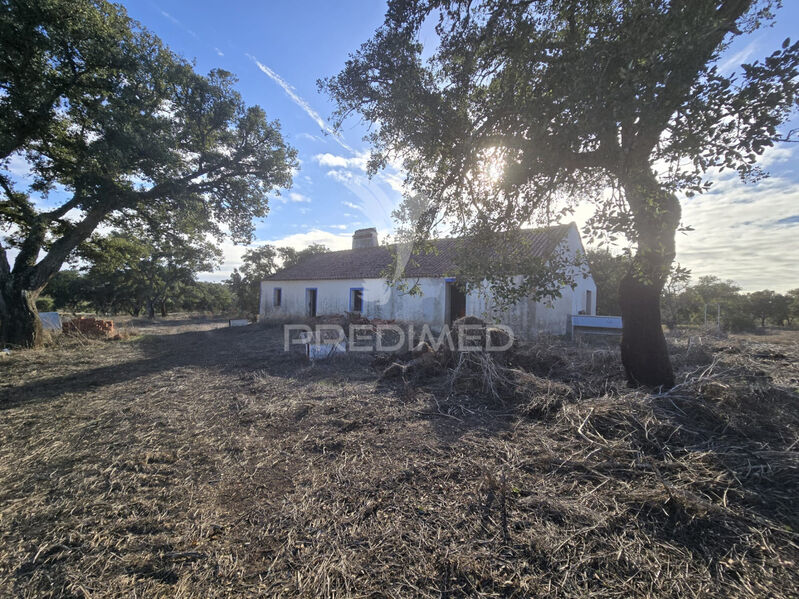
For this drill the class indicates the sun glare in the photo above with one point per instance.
(492, 165)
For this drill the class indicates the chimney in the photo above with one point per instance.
(364, 238)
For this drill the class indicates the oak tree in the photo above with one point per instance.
(114, 126)
(516, 108)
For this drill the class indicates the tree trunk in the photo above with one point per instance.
(19, 320)
(644, 352)
(163, 309)
(656, 214)
(150, 309)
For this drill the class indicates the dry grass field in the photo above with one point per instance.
(193, 460)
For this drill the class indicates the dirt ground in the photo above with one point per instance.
(189, 459)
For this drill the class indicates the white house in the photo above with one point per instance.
(355, 281)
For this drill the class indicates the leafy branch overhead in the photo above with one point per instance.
(515, 111)
(568, 96)
(116, 126)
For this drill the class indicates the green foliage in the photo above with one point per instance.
(793, 305)
(714, 295)
(768, 305)
(258, 264)
(45, 303)
(686, 304)
(675, 286)
(290, 256)
(203, 296)
(607, 269)
(139, 267)
(98, 106)
(68, 290)
(516, 109)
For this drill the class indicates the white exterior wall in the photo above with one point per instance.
(527, 318)
(379, 300)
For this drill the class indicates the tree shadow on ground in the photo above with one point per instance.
(254, 348)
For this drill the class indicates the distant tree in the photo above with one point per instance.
(761, 305)
(99, 107)
(793, 305)
(204, 296)
(780, 309)
(673, 292)
(514, 106)
(711, 295)
(67, 288)
(259, 263)
(112, 283)
(289, 256)
(143, 267)
(245, 283)
(608, 270)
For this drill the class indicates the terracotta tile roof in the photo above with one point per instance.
(372, 262)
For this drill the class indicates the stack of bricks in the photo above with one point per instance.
(91, 327)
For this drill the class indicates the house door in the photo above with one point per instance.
(456, 303)
(310, 302)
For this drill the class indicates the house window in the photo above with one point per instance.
(588, 301)
(277, 297)
(356, 299)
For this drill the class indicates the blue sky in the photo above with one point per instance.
(278, 49)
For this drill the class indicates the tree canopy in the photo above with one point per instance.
(517, 110)
(260, 262)
(116, 126)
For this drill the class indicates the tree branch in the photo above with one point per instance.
(695, 57)
(5, 267)
(49, 265)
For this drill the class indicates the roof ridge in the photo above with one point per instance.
(527, 230)
(371, 262)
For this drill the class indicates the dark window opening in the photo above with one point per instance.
(310, 301)
(277, 297)
(356, 300)
(456, 303)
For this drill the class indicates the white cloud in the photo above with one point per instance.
(299, 241)
(737, 59)
(179, 24)
(298, 197)
(310, 137)
(738, 235)
(291, 92)
(359, 161)
(340, 176)
(218, 51)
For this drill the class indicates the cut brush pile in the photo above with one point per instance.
(213, 464)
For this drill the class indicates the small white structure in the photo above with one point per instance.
(583, 324)
(355, 281)
(320, 346)
(51, 321)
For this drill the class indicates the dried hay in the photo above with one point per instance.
(211, 463)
